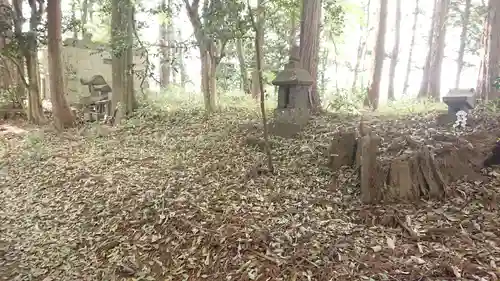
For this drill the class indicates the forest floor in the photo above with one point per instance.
(178, 196)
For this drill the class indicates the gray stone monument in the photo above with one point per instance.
(293, 84)
(459, 99)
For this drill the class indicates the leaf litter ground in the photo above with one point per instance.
(183, 197)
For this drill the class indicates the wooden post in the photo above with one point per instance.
(370, 192)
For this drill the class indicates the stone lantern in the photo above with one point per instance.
(294, 84)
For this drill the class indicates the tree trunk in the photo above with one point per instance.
(412, 45)
(361, 47)
(424, 84)
(255, 74)
(62, 112)
(73, 18)
(91, 10)
(324, 66)
(292, 37)
(463, 41)
(491, 59)
(8, 74)
(208, 58)
(165, 48)
(30, 50)
(131, 102)
(18, 22)
(85, 15)
(262, 98)
(309, 45)
(243, 69)
(208, 79)
(395, 51)
(374, 91)
(119, 66)
(182, 67)
(437, 62)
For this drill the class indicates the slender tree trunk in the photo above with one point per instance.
(424, 84)
(85, 15)
(73, 18)
(463, 41)
(374, 91)
(309, 45)
(165, 49)
(131, 102)
(243, 69)
(412, 45)
(62, 112)
(262, 98)
(395, 51)
(255, 74)
(324, 66)
(481, 85)
(208, 52)
(361, 47)
(182, 67)
(437, 62)
(292, 37)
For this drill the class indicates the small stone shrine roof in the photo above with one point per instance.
(293, 74)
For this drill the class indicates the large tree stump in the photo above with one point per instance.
(407, 169)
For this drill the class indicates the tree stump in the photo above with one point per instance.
(369, 173)
(406, 170)
(342, 151)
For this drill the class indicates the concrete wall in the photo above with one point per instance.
(83, 59)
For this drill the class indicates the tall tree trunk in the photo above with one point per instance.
(463, 41)
(255, 73)
(85, 15)
(62, 112)
(365, 33)
(208, 55)
(91, 10)
(174, 54)
(437, 62)
(292, 37)
(165, 48)
(424, 84)
(182, 66)
(374, 91)
(412, 45)
(73, 18)
(8, 76)
(324, 66)
(490, 63)
(29, 47)
(123, 97)
(309, 45)
(18, 23)
(243, 69)
(131, 102)
(395, 51)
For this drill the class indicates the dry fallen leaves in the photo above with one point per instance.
(178, 198)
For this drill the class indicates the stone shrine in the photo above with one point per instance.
(459, 99)
(293, 84)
